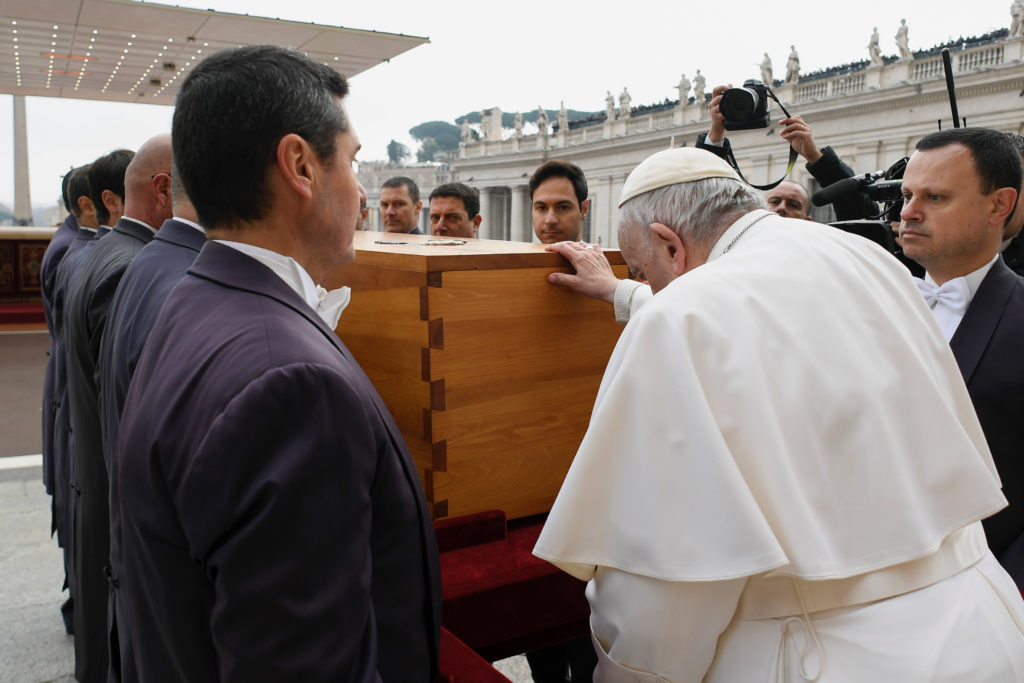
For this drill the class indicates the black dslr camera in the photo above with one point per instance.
(747, 107)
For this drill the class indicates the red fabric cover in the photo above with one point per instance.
(459, 664)
(459, 532)
(501, 600)
(21, 313)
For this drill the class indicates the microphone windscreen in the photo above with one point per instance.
(837, 190)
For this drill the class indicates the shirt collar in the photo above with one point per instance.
(329, 305)
(190, 223)
(144, 224)
(973, 278)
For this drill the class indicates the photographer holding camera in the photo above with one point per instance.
(822, 163)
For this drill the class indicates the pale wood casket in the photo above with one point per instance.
(490, 371)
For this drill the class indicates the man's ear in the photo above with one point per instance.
(1003, 203)
(584, 208)
(111, 201)
(162, 187)
(477, 219)
(296, 163)
(85, 205)
(668, 248)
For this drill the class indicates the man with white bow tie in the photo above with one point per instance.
(960, 189)
(273, 526)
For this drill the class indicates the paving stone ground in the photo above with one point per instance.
(33, 645)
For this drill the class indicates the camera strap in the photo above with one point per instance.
(736, 167)
(792, 152)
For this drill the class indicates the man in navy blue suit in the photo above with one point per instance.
(273, 525)
(960, 189)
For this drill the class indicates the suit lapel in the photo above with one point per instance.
(982, 318)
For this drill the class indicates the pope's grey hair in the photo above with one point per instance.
(699, 211)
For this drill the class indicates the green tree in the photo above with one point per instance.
(428, 148)
(445, 135)
(396, 152)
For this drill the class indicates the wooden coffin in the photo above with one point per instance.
(490, 371)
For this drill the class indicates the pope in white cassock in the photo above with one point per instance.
(783, 474)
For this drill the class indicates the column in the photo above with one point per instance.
(500, 213)
(520, 229)
(22, 198)
(488, 214)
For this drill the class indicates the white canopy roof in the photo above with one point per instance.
(131, 51)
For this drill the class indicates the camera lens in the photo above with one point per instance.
(738, 103)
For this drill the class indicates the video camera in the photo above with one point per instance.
(885, 187)
(746, 108)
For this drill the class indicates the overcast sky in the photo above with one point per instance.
(517, 56)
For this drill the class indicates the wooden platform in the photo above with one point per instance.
(490, 371)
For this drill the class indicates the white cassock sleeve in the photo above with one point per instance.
(648, 629)
(630, 295)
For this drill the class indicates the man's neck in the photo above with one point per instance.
(941, 277)
(265, 236)
(974, 276)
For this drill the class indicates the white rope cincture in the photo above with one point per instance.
(782, 656)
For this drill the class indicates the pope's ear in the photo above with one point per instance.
(668, 247)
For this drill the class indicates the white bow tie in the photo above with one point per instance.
(331, 304)
(951, 295)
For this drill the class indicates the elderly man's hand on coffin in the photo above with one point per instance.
(594, 276)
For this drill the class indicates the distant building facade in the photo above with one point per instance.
(871, 114)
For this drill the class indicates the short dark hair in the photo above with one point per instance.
(470, 197)
(406, 182)
(560, 168)
(64, 188)
(232, 111)
(996, 159)
(178, 193)
(1017, 141)
(78, 186)
(107, 173)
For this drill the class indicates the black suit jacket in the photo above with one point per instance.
(85, 319)
(987, 346)
(55, 252)
(273, 523)
(152, 275)
(62, 445)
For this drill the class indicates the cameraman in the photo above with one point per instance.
(823, 164)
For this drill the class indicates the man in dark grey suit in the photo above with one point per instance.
(960, 188)
(147, 204)
(272, 520)
(140, 295)
(75, 191)
(59, 243)
(106, 176)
